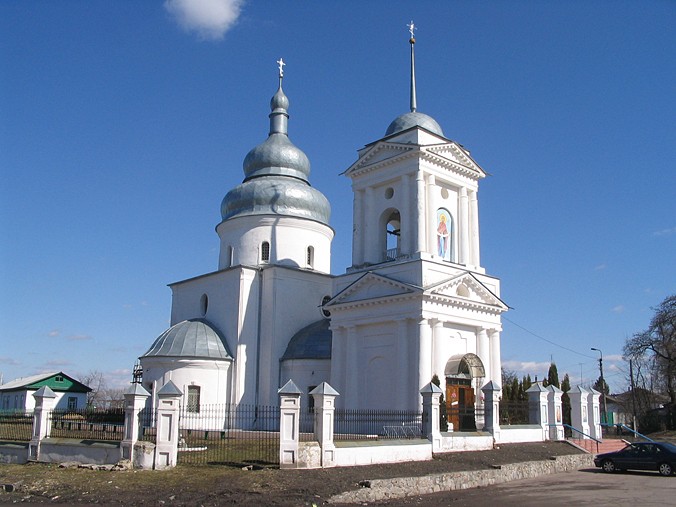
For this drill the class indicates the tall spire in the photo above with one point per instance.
(411, 29)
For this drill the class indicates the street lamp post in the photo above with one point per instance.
(603, 386)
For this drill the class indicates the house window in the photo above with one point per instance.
(194, 399)
(58, 378)
(265, 251)
(310, 256)
(311, 400)
(72, 403)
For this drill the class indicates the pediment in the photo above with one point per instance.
(452, 155)
(371, 287)
(466, 290)
(380, 153)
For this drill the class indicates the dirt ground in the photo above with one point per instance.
(228, 485)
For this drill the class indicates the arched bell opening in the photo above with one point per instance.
(391, 225)
(464, 375)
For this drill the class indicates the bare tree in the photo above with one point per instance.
(655, 349)
(96, 381)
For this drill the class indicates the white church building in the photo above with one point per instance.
(415, 302)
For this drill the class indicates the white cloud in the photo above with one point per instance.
(600, 267)
(527, 367)
(53, 333)
(209, 18)
(665, 232)
(613, 357)
(9, 361)
(618, 309)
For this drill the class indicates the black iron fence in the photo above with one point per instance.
(467, 418)
(229, 434)
(16, 426)
(352, 424)
(513, 413)
(93, 424)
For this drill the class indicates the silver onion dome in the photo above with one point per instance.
(276, 176)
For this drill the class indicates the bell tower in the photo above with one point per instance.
(415, 194)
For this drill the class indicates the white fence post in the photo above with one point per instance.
(134, 400)
(555, 413)
(325, 408)
(289, 424)
(431, 414)
(594, 409)
(44, 404)
(166, 450)
(579, 410)
(492, 407)
(537, 407)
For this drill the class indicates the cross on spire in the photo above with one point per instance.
(281, 64)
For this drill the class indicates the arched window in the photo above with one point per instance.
(204, 304)
(193, 399)
(310, 256)
(265, 251)
(393, 236)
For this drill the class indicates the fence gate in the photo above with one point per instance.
(229, 435)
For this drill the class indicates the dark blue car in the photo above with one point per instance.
(660, 456)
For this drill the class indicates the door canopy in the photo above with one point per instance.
(465, 366)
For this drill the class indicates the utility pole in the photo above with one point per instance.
(633, 393)
(603, 387)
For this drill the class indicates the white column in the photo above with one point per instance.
(403, 402)
(482, 350)
(424, 353)
(432, 200)
(357, 231)
(371, 232)
(463, 227)
(338, 359)
(439, 355)
(420, 212)
(407, 214)
(352, 377)
(496, 361)
(289, 424)
(474, 215)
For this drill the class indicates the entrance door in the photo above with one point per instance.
(460, 405)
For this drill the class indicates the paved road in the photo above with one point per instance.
(580, 488)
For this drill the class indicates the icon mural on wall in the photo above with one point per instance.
(444, 229)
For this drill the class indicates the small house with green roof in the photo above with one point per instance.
(17, 395)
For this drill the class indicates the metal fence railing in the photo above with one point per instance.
(16, 426)
(94, 424)
(357, 424)
(513, 413)
(228, 433)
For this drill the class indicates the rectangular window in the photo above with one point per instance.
(59, 378)
(194, 399)
(310, 400)
(72, 403)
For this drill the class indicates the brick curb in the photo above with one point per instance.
(384, 489)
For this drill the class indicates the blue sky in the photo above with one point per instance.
(123, 124)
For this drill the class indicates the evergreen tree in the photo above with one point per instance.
(553, 376)
(565, 399)
(601, 386)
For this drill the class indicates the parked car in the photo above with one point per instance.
(660, 456)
